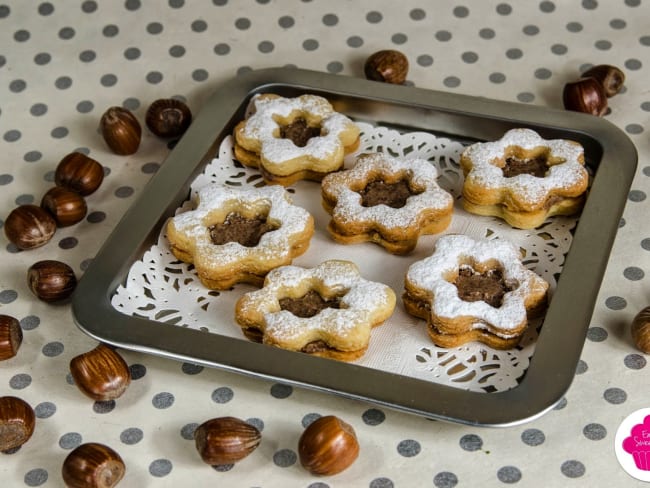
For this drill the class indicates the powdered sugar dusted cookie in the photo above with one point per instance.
(474, 290)
(326, 311)
(523, 178)
(290, 139)
(235, 235)
(386, 200)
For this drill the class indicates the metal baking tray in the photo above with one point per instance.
(609, 153)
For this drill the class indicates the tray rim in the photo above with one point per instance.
(538, 391)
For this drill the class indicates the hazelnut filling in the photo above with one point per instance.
(489, 286)
(237, 228)
(299, 132)
(379, 192)
(309, 304)
(537, 166)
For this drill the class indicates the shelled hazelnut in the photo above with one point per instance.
(93, 465)
(585, 95)
(121, 130)
(79, 173)
(29, 226)
(388, 65)
(640, 329)
(328, 446)
(610, 77)
(168, 117)
(225, 440)
(11, 337)
(17, 421)
(66, 206)
(101, 374)
(51, 280)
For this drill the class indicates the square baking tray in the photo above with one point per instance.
(610, 155)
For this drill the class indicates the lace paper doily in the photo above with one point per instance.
(162, 289)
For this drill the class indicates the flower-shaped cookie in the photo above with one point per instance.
(290, 139)
(523, 178)
(474, 290)
(386, 200)
(236, 235)
(326, 311)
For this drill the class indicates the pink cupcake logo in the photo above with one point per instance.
(632, 444)
(638, 444)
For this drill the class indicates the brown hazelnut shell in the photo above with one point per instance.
(11, 337)
(225, 440)
(92, 465)
(79, 173)
(388, 66)
(29, 226)
(168, 117)
(17, 422)
(328, 446)
(66, 206)
(640, 329)
(101, 374)
(51, 280)
(611, 77)
(585, 95)
(121, 130)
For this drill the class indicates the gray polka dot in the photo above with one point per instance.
(154, 28)
(594, 432)
(310, 45)
(85, 106)
(154, 77)
(150, 168)
(223, 468)
(603, 45)
(221, 49)
(199, 75)
(644, 40)
(526, 97)
(66, 33)
(21, 35)
(89, 6)
(616, 303)
(132, 53)
(451, 82)
(461, 12)
(4, 11)
(445, 479)
(42, 59)
(504, 9)
(543, 73)
(330, 20)
(242, 23)
(8, 296)
(32, 156)
(131, 436)
(63, 82)
(636, 195)
(12, 135)
(633, 273)
(509, 474)
(110, 30)
(561, 404)
(160, 468)
(581, 367)
(286, 22)
(124, 192)
(187, 431)
(497, 78)
(355, 41)
(280, 391)
(30, 322)
(163, 400)
(530, 30)
(469, 57)
(381, 483)
(24, 199)
(265, 47)
(633, 64)
(199, 26)
(52, 349)
(68, 242)
(443, 35)
(222, 395)
(487, 33)
(131, 104)
(257, 423)
(424, 60)
(132, 5)
(309, 418)
(284, 458)
(70, 440)
(645, 244)
(191, 369)
(44, 410)
(547, 7)
(589, 4)
(635, 361)
(572, 469)
(334, 67)
(399, 38)
(374, 17)
(108, 80)
(87, 56)
(409, 448)
(559, 49)
(59, 132)
(17, 86)
(20, 381)
(176, 3)
(471, 442)
(596, 334)
(514, 53)
(35, 477)
(533, 437)
(634, 129)
(574, 27)
(6, 179)
(96, 217)
(373, 416)
(632, 3)
(417, 14)
(615, 396)
(617, 24)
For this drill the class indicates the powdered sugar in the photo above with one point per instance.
(565, 158)
(454, 251)
(418, 172)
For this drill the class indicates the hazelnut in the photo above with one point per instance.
(11, 337)
(29, 226)
(79, 173)
(609, 76)
(225, 440)
(585, 95)
(641, 330)
(51, 280)
(92, 465)
(66, 206)
(168, 117)
(101, 374)
(328, 446)
(121, 130)
(388, 66)
(17, 422)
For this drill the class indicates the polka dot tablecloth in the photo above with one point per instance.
(63, 63)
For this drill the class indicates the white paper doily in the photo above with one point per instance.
(162, 289)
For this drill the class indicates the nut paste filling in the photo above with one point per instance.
(536, 166)
(393, 195)
(489, 287)
(299, 132)
(237, 228)
(308, 305)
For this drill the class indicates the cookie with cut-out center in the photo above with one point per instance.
(325, 311)
(238, 235)
(289, 139)
(387, 200)
(523, 178)
(471, 290)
